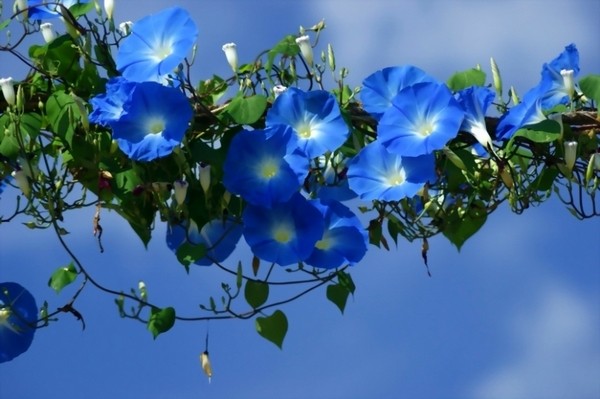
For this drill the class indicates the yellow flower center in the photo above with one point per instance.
(156, 126)
(426, 129)
(269, 168)
(304, 130)
(282, 234)
(396, 177)
(323, 244)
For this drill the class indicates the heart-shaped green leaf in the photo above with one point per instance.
(273, 328)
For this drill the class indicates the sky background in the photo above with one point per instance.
(515, 314)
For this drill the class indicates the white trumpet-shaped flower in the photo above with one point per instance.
(231, 55)
(305, 49)
(8, 90)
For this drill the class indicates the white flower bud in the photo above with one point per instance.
(8, 90)
(206, 367)
(496, 78)
(596, 161)
(180, 187)
(567, 75)
(125, 28)
(143, 291)
(305, 49)
(277, 90)
(205, 177)
(570, 154)
(109, 6)
(22, 181)
(47, 32)
(21, 5)
(231, 55)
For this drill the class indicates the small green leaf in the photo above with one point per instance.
(120, 302)
(375, 232)
(5, 23)
(188, 253)
(464, 79)
(161, 320)
(345, 280)
(463, 228)
(247, 110)
(338, 294)
(273, 328)
(62, 277)
(286, 47)
(256, 292)
(590, 86)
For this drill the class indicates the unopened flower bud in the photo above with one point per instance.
(21, 5)
(180, 187)
(305, 49)
(22, 181)
(331, 57)
(47, 32)
(109, 6)
(20, 99)
(125, 28)
(567, 75)
(231, 55)
(570, 154)
(8, 90)
(496, 78)
(594, 163)
(205, 177)
(143, 291)
(206, 367)
(513, 96)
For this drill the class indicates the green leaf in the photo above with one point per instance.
(61, 111)
(286, 47)
(161, 320)
(62, 277)
(461, 229)
(590, 86)
(375, 232)
(188, 253)
(256, 292)
(545, 131)
(120, 302)
(338, 294)
(239, 276)
(59, 57)
(546, 178)
(31, 124)
(5, 23)
(464, 79)
(247, 110)
(273, 328)
(80, 9)
(345, 280)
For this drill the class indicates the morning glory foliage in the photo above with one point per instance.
(378, 174)
(423, 118)
(157, 45)
(285, 233)
(265, 166)
(148, 123)
(380, 88)
(315, 117)
(18, 317)
(344, 239)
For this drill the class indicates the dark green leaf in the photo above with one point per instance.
(62, 277)
(545, 179)
(256, 292)
(545, 131)
(161, 320)
(461, 229)
(247, 110)
(80, 9)
(189, 253)
(61, 111)
(375, 232)
(590, 86)
(31, 124)
(273, 328)
(345, 280)
(468, 78)
(338, 294)
(286, 47)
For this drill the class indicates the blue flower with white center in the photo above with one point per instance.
(344, 239)
(315, 117)
(18, 317)
(475, 102)
(423, 118)
(265, 166)
(557, 78)
(380, 88)
(108, 107)
(219, 237)
(154, 121)
(284, 234)
(39, 10)
(157, 45)
(377, 174)
(527, 112)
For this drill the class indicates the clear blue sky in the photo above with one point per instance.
(515, 315)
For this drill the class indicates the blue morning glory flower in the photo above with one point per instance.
(284, 234)
(377, 174)
(344, 239)
(315, 117)
(39, 10)
(153, 123)
(380, 88)
(108, 107)
(423, 118)
(265, 166)
(18, 317)
(527, 112)
(475, 102)
(156, 45)
(218, 236)
(556, 86)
